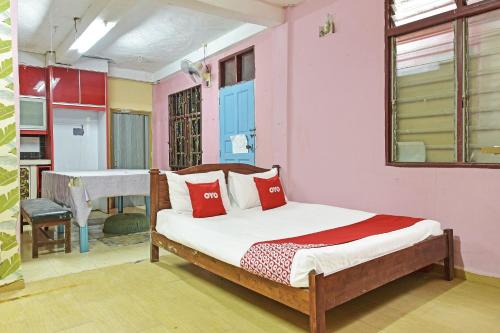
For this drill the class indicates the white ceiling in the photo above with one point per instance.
(164, 35)
(35, 17)
(149, 34)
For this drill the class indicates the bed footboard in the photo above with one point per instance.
(327, 292)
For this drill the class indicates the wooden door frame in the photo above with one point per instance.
(111, 203)
(110, 131)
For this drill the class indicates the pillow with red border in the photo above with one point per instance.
(206, 199)
(271, 193)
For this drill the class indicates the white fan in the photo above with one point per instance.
(197, 71)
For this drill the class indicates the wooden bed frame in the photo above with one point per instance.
(324, 292)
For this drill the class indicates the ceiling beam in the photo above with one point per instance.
(250, 11)
(30, 12)
(108, 11)
(241, 33)
(136, 14)
(63, 52)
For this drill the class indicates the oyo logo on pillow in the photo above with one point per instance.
(211, 195)
(274, 189)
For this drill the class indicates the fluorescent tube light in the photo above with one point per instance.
(94, 32)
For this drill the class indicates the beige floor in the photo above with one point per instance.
(174, 296)
(54, 262)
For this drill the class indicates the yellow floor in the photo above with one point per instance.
(174, 296)
(53, 262)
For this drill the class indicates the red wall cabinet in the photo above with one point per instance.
(65, 85)
(92, 88)
(32, 81)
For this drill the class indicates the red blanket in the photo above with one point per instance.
(273, 259)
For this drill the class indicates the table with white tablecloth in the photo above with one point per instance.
(77, 189)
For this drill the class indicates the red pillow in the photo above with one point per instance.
(206, 199)
(271, 193)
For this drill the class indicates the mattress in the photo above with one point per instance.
(228, 237)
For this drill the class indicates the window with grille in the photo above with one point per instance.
(184, 110)
(443, 83)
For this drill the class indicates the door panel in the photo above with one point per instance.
(93, 88)
(237, 116)
(32, 81)
(130, 151)
(65, 85)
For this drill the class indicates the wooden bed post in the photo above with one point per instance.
(154, 183)
(449, 262)
(317, 309)
(278, 167)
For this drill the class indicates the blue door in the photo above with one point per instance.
(237, 117)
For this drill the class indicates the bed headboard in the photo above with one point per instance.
(159, 195)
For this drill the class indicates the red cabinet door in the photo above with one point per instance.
(65, 85)
(32, 81)
(93, 88)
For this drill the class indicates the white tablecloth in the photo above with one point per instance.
(77, 189)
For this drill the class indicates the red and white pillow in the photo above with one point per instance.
(271, 193)
(243, 190)
(202, 193)
(206, 199)
(179, 193)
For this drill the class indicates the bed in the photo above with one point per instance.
(347, 271)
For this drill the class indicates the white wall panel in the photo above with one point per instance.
(75, 152)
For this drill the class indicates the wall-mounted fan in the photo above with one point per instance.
(197, 71)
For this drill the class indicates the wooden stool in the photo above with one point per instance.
(41, 214)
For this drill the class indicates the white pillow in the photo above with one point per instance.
(179, 193)
(243, 189)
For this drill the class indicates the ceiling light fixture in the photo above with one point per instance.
(94, 32)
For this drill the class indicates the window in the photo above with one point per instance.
(425, 96)
(483, 87)
(443, 83)
(184, 110)
(237, 68)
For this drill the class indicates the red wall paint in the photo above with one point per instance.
(326, 97)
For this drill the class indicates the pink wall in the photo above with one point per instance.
(336, 135)
(326, 97)
(270, 98)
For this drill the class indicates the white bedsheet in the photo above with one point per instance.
(228, 237)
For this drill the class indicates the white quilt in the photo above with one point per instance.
(228, 237)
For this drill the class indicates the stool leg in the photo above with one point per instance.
(21, 221)
(67, 236)
(34, 236)
(84, 239)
